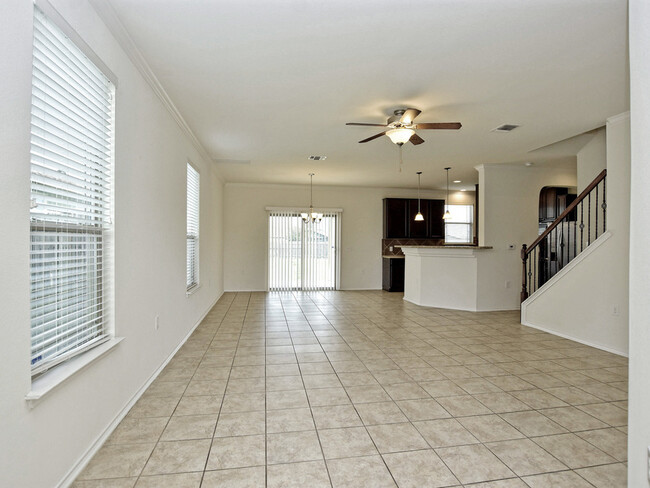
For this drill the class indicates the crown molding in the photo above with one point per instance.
(112, 21)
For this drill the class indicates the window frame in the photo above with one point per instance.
(192, 237)
(54, 229)
(469, 224)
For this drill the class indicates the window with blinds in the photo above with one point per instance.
(458, 228)
(302, 256)
(70, 214)
(193, 185)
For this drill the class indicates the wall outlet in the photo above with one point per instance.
(615, 310)
(156, 322)
(648, 463)
(508, 284)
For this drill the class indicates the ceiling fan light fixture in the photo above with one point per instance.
(419, 217)
(400, 135)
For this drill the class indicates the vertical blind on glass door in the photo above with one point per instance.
(71, 154)
(192, 265)
(302, 256)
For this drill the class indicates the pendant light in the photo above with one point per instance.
(311, 217)
(418, 216)
(447, 215)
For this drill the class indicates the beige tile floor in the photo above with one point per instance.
(361, 389)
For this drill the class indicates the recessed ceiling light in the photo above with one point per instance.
(456, 181)
(463, 189)
(528, 163)
(317, 158)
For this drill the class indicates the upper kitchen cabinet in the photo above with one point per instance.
(400, 223)
(395, 218)
(436, 223)
(418, 229)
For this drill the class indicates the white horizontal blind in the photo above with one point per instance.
(71, 154)
(302, 256)
(458, 228)
(192, 265)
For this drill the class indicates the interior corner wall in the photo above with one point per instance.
(509, 203)
(592, 159)
(639, 365)
(590, 302)
(246, 229)
(45, 445)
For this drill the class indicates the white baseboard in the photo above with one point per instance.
(85, 458)
(575, 339)
(464, 309)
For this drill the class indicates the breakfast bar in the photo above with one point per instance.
(444, 276)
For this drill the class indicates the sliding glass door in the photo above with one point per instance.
(302, 256)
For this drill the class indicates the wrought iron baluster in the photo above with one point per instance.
(535, 265)
(582, 226)
(589, 220)
(596, 212)
(604, 204)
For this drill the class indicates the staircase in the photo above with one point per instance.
(583, 221)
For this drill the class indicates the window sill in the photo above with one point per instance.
(50, 380)
(192, 290)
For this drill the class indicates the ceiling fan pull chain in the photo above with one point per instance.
(401, 162)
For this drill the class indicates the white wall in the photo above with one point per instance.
(639, 400)
(509, 215)
(246, 229)
(580, 303)
(40, 446)
(592, 159)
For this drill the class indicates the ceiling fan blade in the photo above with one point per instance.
(416, 139)
(409, 115)
(373, 137)
(439, 125)
(369, 125)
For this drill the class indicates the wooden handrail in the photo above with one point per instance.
(573, 205)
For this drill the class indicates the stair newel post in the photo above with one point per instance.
(524, 288)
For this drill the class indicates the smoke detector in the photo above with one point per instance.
(317, 158)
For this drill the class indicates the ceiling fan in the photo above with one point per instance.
(400, 128)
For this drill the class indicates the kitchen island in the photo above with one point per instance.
(445, 276)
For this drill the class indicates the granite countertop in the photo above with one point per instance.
(393, 256)
(448, 247)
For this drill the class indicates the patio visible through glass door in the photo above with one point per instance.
(302, 256)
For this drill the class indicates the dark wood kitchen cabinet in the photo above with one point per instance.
(393, 274)
(395, 218)
(400, 223)
(436, 223)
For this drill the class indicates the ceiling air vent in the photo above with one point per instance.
(317, 158)
(505, 128)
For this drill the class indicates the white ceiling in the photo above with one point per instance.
(271, 82)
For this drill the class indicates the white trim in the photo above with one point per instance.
(110, 18)
(558, 276)
(575, 339)
(618, 118)
(55, 17)
(475, 309)
(85, 458)
(60, 373)
(302, 209)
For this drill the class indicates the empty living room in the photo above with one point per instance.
(310, 243)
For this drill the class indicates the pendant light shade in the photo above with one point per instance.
(447, 215)
(418, 216)
(311, 217)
